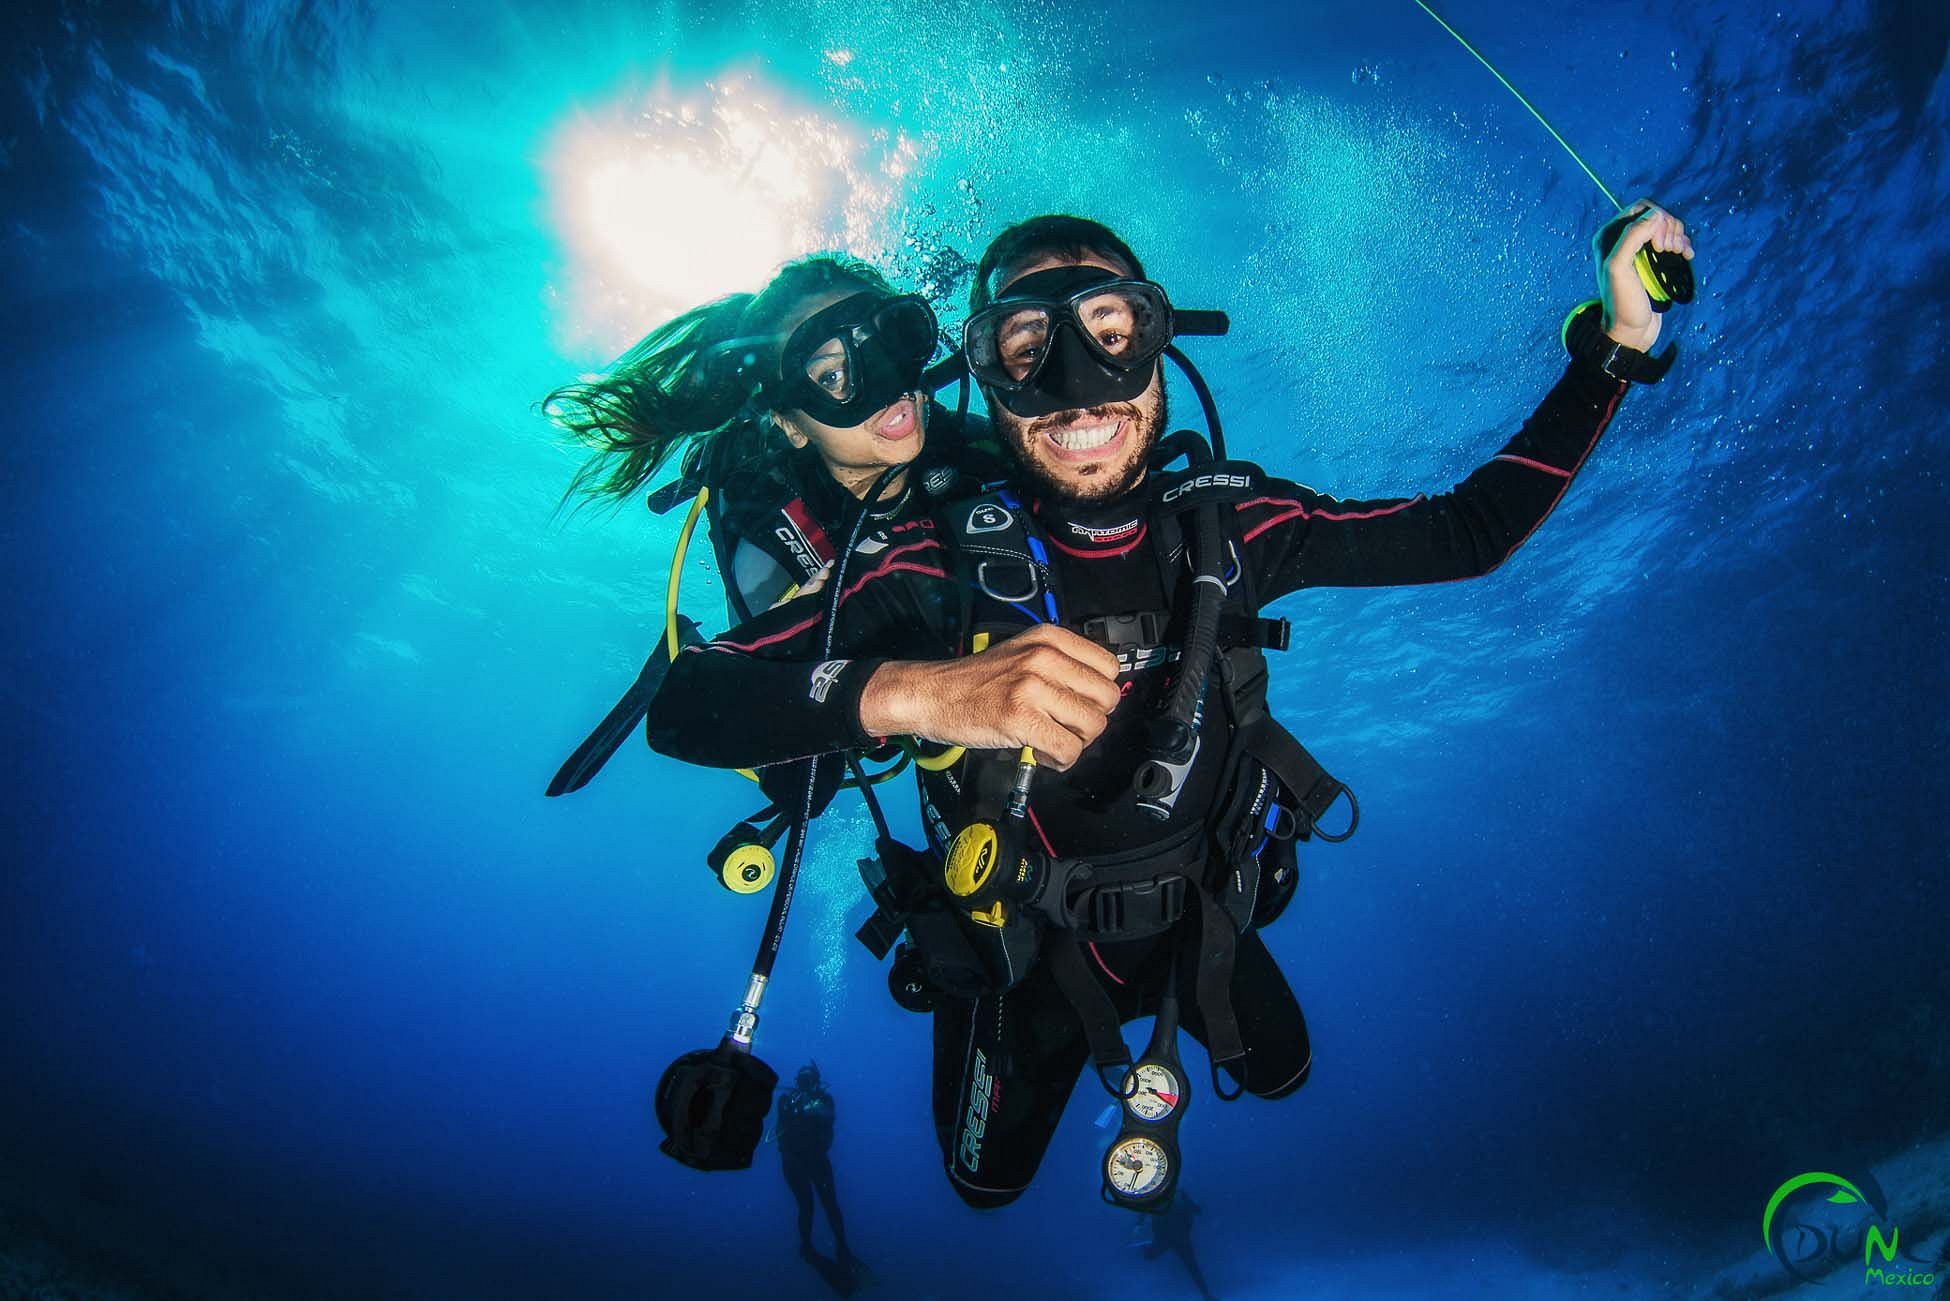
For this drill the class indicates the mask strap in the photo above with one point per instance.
(945, 372)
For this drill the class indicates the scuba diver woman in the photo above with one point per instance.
(781, 407)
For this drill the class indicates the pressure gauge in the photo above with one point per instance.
(1137, 1167)
(1152, 1092)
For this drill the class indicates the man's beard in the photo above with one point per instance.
(1106, 482)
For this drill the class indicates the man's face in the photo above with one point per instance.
(1088, 454)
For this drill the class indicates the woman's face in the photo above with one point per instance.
(891, 436)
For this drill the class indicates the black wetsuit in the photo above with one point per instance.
(805, 1134)
(773, 511)
(1005, 1063)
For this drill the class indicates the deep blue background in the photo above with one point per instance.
(308, 992)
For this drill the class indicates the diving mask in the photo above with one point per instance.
(845, 362)
(1069, 337)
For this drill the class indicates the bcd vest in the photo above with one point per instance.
(1235, 865)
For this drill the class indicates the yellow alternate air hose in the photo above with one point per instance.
(672, 588)
(677, 570)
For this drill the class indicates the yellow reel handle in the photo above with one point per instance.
(1642, 264)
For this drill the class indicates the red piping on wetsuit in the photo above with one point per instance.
(1300, 511)
(889, 564)
(1049, 849)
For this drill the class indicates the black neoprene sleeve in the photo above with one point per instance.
(1296, 537)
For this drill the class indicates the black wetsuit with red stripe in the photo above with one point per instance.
(763, 693)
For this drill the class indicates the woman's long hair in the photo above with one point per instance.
(668, 391)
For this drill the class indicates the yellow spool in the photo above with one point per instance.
(1643, 265)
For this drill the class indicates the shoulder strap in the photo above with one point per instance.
(1216, 483)
(1168, 549)
(1001, 554)
(1243, 672)
(751, 511)
(1246, 585)
(724, 548)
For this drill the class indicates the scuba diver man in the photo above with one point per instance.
(1121, 822)
(804, 1132)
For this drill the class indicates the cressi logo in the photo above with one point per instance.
(823, 678)
(1816, 1222)
(975, 1122)
(800, 548)
(1209, 481)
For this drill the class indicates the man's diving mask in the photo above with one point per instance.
(845, 362)
(1067, 338)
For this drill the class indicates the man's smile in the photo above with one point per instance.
(1094, 441)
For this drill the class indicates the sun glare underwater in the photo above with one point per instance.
(311, 993)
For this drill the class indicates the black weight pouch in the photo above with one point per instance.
(712, 1104)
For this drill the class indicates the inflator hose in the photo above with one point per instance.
(1174, 733)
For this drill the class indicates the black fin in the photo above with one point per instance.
(839, 1275)
(594, 752)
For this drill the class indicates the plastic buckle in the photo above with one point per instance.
(879, 932)
(1136, 908)
(1116, 631)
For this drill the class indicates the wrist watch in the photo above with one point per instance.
(1584, 336)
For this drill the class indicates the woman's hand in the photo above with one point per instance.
(1629, 318)
(1047, 688)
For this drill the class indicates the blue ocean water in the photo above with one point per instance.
(309, 993)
